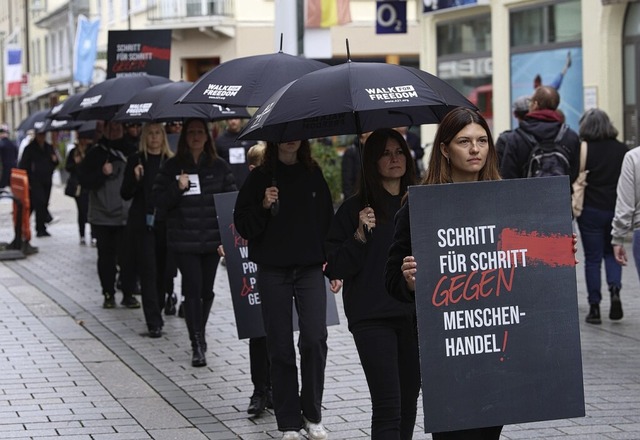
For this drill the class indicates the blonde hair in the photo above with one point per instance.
(255, 155)
(165, 150)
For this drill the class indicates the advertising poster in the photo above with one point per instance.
(560, 68)
(243, 275)
(139, 53)
(496, 299)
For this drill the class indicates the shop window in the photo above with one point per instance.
(553, 23)
(468, 36)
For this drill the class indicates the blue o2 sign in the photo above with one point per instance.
(391, 17)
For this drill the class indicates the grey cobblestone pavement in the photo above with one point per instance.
(70, 369)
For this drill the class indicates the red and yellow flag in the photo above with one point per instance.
(327, 13)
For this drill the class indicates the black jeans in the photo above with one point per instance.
(39, 194)
(259, 361)
(111, 252)
(278, 287)
(151, 250)
(198, 274)
(82, 203)
(389, 355)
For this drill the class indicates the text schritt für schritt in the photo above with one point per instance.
(472, 277)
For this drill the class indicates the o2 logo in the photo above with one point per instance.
(391, 17)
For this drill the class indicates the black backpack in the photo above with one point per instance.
(548, 157)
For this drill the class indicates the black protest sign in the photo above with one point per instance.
(139, 53)
(243, 277)
(496, 299)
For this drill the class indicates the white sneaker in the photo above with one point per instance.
(315, 431)
(291, 435)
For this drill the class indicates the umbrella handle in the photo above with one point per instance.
(275, 206)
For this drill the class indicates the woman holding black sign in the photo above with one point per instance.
(463, 151)
(383, 328)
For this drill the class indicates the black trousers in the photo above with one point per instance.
(39, 198)
(151, 253)
(491, 433)
(278, 287)
(259, 362)
(82, 203)
(111, 252)
(388, 350)
(198, 274)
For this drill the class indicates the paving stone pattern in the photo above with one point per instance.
(70, 369)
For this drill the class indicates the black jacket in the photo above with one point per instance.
(192, 222)
(139, 192)
(400, 248)
(361, 266)
(604, 162)
(542, 125)
(295, 236)
(40, 162)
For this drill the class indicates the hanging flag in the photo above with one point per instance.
(85, 49)
(13, 70)
(327, 13)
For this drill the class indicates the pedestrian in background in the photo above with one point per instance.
(102, 172)
(605, 155)
(262, 396)
(384, 328)
(40, 160)
(463, 151)
(146, 223)
(73, 188)
(626, 219)
(284, 210)
(8, 156)
(234, 150)
(184, 189)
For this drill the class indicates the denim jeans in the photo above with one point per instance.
(595, 232)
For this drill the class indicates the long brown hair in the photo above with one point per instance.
(303, 154)
(183, 153)
(371, 190)
(439, 170)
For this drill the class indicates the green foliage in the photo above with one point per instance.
(329, 159)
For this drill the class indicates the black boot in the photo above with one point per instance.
(198, 359)
(206, 309)
(616, 305)
(594, 314)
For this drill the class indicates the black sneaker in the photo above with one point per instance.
(181, 310)
(130, 302)
(155, 332)
(43, 234)
(257, 404)
(109, 301)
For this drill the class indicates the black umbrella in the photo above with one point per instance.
(157, 103)
(60, 111)
(249, 81)
(61, 125)
(103, 100)
(35, 121)
(353, 98)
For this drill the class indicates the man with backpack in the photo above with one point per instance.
(542, 145)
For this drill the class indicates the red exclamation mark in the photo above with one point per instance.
(504, 345)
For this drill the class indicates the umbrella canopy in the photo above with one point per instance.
(249, 81)
(35, 121)
(61, 125)
(158, 104)
(60, 111)
(103, 100)
(353, 98)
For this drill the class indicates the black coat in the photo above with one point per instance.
(192, 222)
(40, 162)
(139, 192)
(400, 248)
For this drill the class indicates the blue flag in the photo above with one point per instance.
(85, 49)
